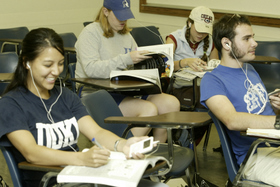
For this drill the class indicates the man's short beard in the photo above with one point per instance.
(238, 54)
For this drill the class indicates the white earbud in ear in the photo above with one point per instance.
(28, 65)
(228, 45)
(190, 25)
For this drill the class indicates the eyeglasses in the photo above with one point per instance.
(237, 15)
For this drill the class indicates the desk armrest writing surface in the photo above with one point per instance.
(70, 49)
(238, 178)
(172, 120)
(6, 77)
(137, 87)
(265, 60)
(28, 166)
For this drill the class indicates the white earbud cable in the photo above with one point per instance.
(48, 111)
(251, 87)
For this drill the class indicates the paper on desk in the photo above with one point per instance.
(268, 133)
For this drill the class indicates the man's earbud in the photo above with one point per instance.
(228, 45)
(190, 25)
(27, 64)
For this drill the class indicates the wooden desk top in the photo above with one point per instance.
(28, 166)
(114, 85)
(266, 60)
(17, 41)
(168, 120)
(6, 77)
(70, 49)
(134, 87)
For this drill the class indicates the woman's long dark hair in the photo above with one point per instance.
(33, 44)
(205, 40)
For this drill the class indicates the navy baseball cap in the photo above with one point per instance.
(121, 8)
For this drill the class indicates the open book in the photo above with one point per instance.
(146, 75)
(190, 74)
(267, 133)
(165, 51)
(118, 171)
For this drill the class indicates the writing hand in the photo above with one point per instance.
(96, 157)
(195, 63)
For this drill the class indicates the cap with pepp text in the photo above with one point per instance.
(121, 8)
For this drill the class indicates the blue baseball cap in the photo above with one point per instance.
(121, 8)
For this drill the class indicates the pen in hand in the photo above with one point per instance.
(96, 143)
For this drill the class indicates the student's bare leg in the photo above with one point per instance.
(165, 103)
(131, 107)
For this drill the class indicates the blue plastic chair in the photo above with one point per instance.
(8, 64)
(231, 162)
(71, 69)
(12, 165)
(145, 36)
(69, 40)
(12, 33)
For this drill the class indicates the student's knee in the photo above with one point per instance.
(149, 109)
(170, 103)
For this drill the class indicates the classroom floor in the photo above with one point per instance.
(211, 164)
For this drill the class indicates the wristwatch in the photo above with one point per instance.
(277, 122)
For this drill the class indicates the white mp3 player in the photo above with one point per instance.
(142, 146)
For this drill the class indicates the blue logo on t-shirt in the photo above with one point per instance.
(127, 50)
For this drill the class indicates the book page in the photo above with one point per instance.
(150, 75)
(164, 49)
(269, 133)
(117, 172)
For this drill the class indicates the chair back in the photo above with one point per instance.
(12, 33)
(8, 64)
(86, 23)
(71, 69)
(100, 105)
(231, 162)
(145, 36)
(12, 165)
(69, 40)
(269, 73)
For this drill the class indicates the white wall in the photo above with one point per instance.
(69, 15)
(61, 15)
(168, 24)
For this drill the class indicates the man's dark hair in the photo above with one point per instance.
(225, 27)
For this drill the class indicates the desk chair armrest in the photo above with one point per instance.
(249, 155)
(46, 178)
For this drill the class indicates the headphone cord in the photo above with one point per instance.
(251, 88)
(49, 116)
(150, 30)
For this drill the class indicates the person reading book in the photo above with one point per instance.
(193, 47)
(107, 45)
(42, 121)
(236, 95)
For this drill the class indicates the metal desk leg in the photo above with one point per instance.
(170, 145)
(196, 172)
